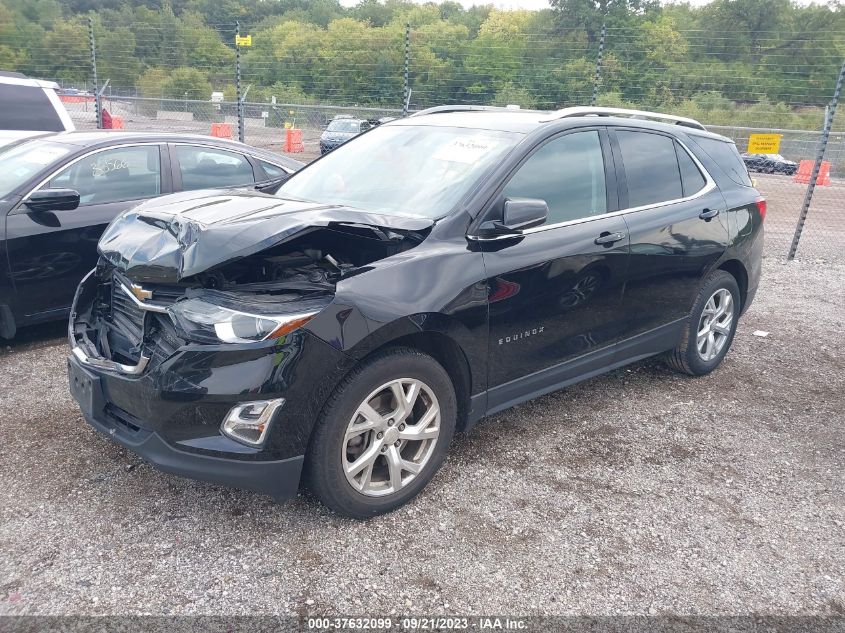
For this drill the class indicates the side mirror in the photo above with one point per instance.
(52, 200)
(519, 214)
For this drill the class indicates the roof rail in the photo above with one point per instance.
(465, 108)
(642, 114)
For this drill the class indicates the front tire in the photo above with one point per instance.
(383, 434)
(710, 328)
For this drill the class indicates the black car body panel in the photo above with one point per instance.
(43, 255)
(508, 317)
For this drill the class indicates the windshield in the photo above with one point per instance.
(404, 170)
(341, 125)
(21, 162)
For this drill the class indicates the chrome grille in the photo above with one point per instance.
(137, 329)
(126, 316)
(163, 340)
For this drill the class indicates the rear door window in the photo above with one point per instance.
(691, 178)
(727, 156)
(651, 168)
(211, 168)
(27, 108)
(272, 171)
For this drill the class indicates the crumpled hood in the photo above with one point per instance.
(176, 236)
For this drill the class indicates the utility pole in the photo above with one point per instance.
(808, 197)
(407, 91)
(241, 134)
(98, 106)
(597, 79)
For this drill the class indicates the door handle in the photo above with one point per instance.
(708, 214)
(609, 238)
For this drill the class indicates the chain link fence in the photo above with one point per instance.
(264, 124)
(155, 76)
(823, 235)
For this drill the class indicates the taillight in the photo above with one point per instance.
(761, 206)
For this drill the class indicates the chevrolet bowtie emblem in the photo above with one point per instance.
(140, 293)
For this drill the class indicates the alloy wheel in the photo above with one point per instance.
(391, 437)
(714, 326)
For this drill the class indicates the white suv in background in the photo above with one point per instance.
(29, 107)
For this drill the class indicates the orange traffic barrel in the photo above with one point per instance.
(824, 174)
(805, 171)
(293, 141)
(221, 130)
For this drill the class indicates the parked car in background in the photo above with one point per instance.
(770, 164)
(59, 192)
(435, 270)
(341, 129)
(74, 92)
(30, 107)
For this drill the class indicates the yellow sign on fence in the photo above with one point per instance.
(243, 40)
(764, 143)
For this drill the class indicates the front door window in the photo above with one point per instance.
(113, 175)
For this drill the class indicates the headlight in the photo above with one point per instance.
(205, 322)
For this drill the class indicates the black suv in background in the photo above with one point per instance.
(435, 270)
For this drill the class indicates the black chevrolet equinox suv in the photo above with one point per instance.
(430, 272)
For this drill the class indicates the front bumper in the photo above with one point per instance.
(327, 145)
(278, 478)
(168, 406)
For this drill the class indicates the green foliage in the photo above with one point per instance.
(186, 82)
(760, 62)
(509, 94)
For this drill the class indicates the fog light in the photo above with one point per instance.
(248, 422)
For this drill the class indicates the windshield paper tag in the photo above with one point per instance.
(465, 150)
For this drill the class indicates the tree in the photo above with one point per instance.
(189, 83)
(591, 14)
(755, 24)
(204, 49)
(65, 53)
(116, 58)
(497, 56)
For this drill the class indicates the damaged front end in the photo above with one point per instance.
(189, 272)
(188, 336)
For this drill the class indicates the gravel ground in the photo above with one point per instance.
(641, 491)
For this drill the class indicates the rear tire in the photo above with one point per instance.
(371, 452)
(710, 328)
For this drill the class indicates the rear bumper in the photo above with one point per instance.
(231, 464)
